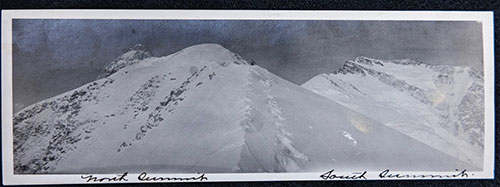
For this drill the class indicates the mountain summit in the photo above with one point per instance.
(137, 53)
(205, 109)
(439, 105)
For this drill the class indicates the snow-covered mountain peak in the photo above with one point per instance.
(440, 105)
(371, 61)
(360, 63)
(135, 54)
(367, 61)
(201, 54)
(211, 53)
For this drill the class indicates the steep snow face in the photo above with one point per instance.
(204, 109)
(439, 105)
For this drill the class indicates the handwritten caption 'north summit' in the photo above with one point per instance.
(142, 177)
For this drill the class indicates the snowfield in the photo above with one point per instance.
(205, 109)
(441, 106)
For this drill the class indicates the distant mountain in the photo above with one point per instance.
(440, 105)
(205, 109)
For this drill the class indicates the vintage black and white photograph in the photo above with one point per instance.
(245, 96)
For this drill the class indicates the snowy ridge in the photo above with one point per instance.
(148, 105)
(385, 78)
(288, 156)
(63, 127)
(439, 105)
(258, 89)
(135, 54)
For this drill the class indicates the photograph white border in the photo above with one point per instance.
(484, 17)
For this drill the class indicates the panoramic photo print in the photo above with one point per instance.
(145, 97)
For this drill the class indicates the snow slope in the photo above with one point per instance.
(441, 106)
(204, 109)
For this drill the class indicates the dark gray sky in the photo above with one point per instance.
(54, 56)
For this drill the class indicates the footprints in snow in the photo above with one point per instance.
(288, 156)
